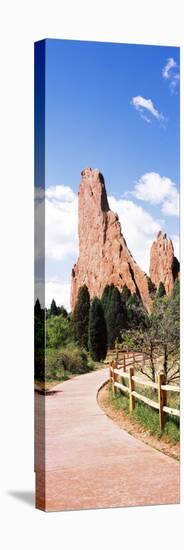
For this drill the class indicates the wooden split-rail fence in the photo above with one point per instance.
(125, 371)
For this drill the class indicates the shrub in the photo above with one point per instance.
(71, 360)
(58, 331)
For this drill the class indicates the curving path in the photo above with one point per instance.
(90, 462)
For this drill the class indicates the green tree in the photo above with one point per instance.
(165, 318)
(152, 288)
(97, 333)
(116, 317)
(125, 293)
(136, 313)
(161, 290)
(106, 297)
(176, 289)
(165, 326)
(37, 308)
(62, 311)
(80, 318)
(53, 309)
(141, 340)
(57, 332)
(160, 340)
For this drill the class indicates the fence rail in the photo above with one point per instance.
(119, 371)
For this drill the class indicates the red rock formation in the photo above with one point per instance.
(103, 254)
(164, 267)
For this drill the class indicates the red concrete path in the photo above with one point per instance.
(92, 463)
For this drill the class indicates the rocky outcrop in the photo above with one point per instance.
(164, 267)
(103, 254)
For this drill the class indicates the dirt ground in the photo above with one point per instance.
(133, 427)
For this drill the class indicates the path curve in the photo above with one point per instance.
(92, 463)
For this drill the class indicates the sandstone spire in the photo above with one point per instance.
(103, 254)
(164, 267)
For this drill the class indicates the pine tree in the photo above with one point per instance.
(106, 297)
(53, 308)
(97, 335)
(37, 308)
(161, 290)
(136, 313)
(116, 317)
(62, 311)
(80, 318)
(125, 293)
(152, 288)
(176, 289)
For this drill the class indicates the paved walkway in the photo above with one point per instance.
(90, 462)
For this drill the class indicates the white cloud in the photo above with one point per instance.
(60, 193)
(166, 71)
(138, 227)
(61, 238)
(54, 288)
(61, 222)
(176, 243)
(60, 291)
(142, 104)
(144, 117)
(170, 206)
(60, 216)
(156, 189)
(170, 72)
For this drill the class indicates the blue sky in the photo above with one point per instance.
(116, 107)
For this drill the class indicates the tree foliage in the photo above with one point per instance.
(165, 317)
(62, 311)
(80, 317)
(161, 290)
(97, 333)
(57, 332)
(161, 338)
(152, 288)
(125, 293)
(137, 315)
(106, 297)
(116, 316)
(60, 363)
(53, 309)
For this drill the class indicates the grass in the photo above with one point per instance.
(148, 418)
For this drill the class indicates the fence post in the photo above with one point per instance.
(110, 374)
(116, 357)
(113, 378)
(161, 399)
(124, 361)
(131, 388)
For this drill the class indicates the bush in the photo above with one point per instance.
(72, 360)
(55, 368)
(58, 332)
